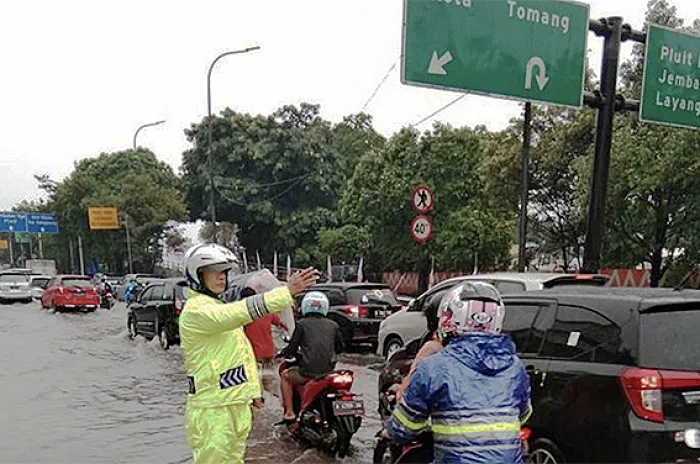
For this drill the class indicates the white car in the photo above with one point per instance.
(410, 323)
(15, 287)
(38, 284)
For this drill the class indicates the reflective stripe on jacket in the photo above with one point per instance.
(474, 395)
(219, 360)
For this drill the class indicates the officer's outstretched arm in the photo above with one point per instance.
(213, 317)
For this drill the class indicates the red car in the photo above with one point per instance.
(70, 292)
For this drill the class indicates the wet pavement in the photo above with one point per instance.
(77, 389)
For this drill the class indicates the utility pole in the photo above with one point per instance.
(72, 255)
(80, 255)
(210, 164)
(128, 244)
(12, 251)
(524, 188)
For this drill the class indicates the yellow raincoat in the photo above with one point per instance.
(222, 372)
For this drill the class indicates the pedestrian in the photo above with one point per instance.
(259, 334)
(219, 360)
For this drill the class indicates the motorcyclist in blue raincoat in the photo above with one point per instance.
(475, 393)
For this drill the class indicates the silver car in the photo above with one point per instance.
(411, 323)
(15, 287)
(38, 284)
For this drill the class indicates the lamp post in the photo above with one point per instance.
(150, 124)
(212, 208)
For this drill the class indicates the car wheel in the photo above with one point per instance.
(132, 328)
(544, 451)
(58, 309)
(392, 345)
(164, 338)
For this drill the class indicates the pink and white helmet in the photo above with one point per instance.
(471, 308)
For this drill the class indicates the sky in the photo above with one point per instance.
(79, 77)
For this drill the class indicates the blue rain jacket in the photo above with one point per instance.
(474, 395)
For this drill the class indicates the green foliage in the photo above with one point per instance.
(277, 177)
(146, 192)
(345, 244)
(446, 160)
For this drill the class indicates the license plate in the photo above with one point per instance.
(382, 313)
(14, 287)
(349, 408)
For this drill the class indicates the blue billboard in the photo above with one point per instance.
(42, 223)
(39, 223)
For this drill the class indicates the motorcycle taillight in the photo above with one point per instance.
(342, 381)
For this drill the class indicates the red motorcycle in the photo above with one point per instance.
(328, 414)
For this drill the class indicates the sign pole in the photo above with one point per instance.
(12, 252)
(80, 255)
(128, 244)
(525, 167)
(603, 143)
(72, 254)
(41, 248)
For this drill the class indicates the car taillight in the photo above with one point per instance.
(644, 387)
(342, 381)
(179, 304)
(355, 311)
(643, 390)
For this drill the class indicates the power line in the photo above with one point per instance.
(435, 113)
(381, 83)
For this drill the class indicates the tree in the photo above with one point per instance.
(277, 177)
(146, 193)
(345, 244)
(654, 191)
(446, 160)
(223, 233)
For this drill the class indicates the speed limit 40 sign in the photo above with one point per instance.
(421, 228)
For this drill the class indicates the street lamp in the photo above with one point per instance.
(212, 210)
(150, 124)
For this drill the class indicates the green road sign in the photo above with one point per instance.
(22, 237)
(530, 50)
(671, 88)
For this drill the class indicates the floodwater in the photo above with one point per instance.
(76, 389)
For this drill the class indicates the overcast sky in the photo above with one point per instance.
(79, 77)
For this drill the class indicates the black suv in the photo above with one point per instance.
(358, 308)
(615, 372)
(157, 311)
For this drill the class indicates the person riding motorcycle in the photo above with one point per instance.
(316, 341)
(475, 393)
(219, 361)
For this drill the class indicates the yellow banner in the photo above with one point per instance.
(4, 244)
(103, 218)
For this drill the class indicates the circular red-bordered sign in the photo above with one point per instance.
(421, 228)
(422, 199)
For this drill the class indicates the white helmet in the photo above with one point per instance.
(210, 256)
(469, 308)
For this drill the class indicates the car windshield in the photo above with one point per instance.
(75, 282)
(359, 296)
(13, 278)
(668, 339)
(39, 282)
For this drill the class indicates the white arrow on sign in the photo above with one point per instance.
(542, 78)
(437, 64)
